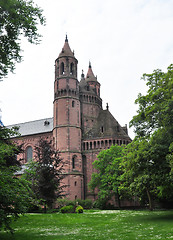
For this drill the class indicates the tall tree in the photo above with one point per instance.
(106, 177)
(14, 192)
(146, 165)
(48, 174)
(156, 107)
(17, 17)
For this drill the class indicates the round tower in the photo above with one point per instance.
(91, 103)
(67, 121)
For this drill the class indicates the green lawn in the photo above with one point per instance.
(94, 225)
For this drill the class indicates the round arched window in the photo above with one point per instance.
(29, 153)
(62, 68)
(74, 161)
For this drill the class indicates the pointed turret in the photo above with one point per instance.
(66, 63)
(66, 50)
(90, 75)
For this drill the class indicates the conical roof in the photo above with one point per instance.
(66, 51)
(90, 75)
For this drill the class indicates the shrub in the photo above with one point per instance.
(79, 209)
(35, 209)
(65, 202)
(86, 204)
(100, 204)
(67, 209)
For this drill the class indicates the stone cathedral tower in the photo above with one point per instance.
(67, 121)
(80, 128)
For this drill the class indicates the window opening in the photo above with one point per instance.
(71, 68)
(73, 161)
(102, 129)
(62, 68)
(28, 153)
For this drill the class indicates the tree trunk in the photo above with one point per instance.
(45, 209)
(149, 200)
(118, 199)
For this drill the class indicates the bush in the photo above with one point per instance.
(35, 209)
(100, 204)
(79, 209)
(67, 209)
(86, 204)
(65, 202)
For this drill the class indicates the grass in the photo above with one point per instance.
(94, 224)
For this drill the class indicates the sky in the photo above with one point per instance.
(123, 39)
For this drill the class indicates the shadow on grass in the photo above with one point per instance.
(165, 216)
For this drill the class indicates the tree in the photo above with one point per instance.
(156, 107)
(17, 17)
(15, 192)
(47, 174)
(106, 179)
(170, 157)
(146, 166)
(145, 171)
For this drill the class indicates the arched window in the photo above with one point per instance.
(73, 162)
(102, 129)
(62, 68)
(71, 68)
(106, 143)
(102, 144)
(28, 153)
(73, 103)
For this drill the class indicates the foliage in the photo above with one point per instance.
(170, 157)
(147, 164)
(106, 179)
(86, 204)
(71, 209)
(61, 202)
(46, 174)
(17, 17)
(156, 107)
(67, 209)
(15, 192)
(79, 209)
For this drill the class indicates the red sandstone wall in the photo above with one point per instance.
(31, 140)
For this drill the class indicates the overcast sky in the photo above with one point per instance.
(122, 38)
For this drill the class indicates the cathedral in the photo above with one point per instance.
(80, 128)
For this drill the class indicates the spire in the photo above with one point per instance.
(66, 39)
(66, 51)
(89, 64)
(107, 106)
(90, 75)
(82, 75)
